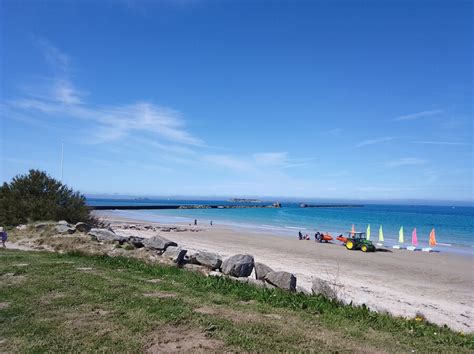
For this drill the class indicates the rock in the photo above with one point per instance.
(324, 288)
(106, 235)
(64, 229)
(302, 290)
(208, 259)
(21, 227)
(136, 241)
(261, 270)
(196, 268)
(158, 243)
(83, 227)
(63, 222)
(256, 282)
(282, 280)
(215, 274)
(240, 265)
(176, 254)
(43, 225)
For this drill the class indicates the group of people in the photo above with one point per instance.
(318, 236)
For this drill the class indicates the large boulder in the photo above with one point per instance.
(261, 270)
(105, 235)
(63, 222)
(43, 225)
(176, 254)
(240, 265)
(324, 288)
(158, 243)
(208, 259)
(64, 229)
(282, 280)
(136, 241)
(83, 227)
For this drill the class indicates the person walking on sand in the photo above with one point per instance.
(211, 223)
(3, 236)
(195, 222)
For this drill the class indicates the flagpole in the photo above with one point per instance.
(62, 159)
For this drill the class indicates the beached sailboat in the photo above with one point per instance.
(353, 230)
(368, 232)
(414, 241)
(432, 241)
(381, 239)
(400, 239)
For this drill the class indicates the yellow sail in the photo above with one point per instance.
(353, 230)
(400, 235)
(381, 234)
(368, 232)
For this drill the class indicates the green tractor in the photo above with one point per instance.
(358, 241)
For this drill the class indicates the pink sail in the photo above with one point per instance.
(414, 239)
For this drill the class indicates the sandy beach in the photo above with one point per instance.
(438, 285)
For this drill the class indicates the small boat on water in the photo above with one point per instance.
(381, 238)
(400, 240)
(432, 242)
(414, 241)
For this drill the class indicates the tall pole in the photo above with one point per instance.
(62, 159)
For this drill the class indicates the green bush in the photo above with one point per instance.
(37, 196)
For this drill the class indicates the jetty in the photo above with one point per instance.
(205, 206)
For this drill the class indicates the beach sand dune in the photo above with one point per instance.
(437, 285)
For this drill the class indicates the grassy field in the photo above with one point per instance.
(73, 302)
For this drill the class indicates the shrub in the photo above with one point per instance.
(37, 196)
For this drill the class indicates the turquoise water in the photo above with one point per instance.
(454, 225)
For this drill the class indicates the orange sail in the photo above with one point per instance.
(353, 230)
(432, 238)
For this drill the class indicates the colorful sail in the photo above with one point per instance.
(368, 232)
(353, 230)
(400, 235)
(381, 234)
(414, 239)
(432, 238)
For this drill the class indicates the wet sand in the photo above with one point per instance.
(438, 285)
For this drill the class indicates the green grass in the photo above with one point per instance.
(51, 305)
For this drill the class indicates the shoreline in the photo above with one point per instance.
(399, 282)
(281, 231)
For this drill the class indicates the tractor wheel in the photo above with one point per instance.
(350, 245)
(364, 248)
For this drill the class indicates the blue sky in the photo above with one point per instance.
(324, 99)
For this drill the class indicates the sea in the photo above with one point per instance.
(454, 225)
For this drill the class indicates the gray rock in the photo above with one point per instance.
(136, 241)
(215, 274)
(208, 259)
(324, 288)
(158, 243)
(64, 229)
(261, 270)
(256, 282)
(105, 235)
(63, 222)
(43, 225)
(21, 227)
(282, 280)
(240, 265)
(176, 254)
(83, 227)
(302, 290)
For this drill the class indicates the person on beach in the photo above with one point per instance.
(300, 235)
(195, 222)
(4, 237)
(307, 237)
(211, 223)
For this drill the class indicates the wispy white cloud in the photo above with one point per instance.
(59, 61)
(454, 143)
(407, 161)
(374, 141)
(419, 115)
(271, 158)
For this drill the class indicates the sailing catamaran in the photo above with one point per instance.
(381, 239)
(432, 241)
(400, 239)
(414, 241)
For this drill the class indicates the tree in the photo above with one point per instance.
(37, 196)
